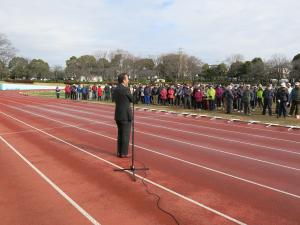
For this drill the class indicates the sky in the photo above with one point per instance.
(211, 30)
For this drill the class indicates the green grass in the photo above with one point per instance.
(50, 94)
(49, 84)
(255, 115)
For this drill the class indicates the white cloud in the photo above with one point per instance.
(212, 30)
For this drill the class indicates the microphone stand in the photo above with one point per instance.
(132, 169)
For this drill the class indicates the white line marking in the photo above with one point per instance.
(199, 134)
(217, 129)
(141, 177)
(53, 185)
(162, 154)
(200, 115)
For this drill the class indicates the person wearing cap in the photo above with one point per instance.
(295, 101)
(282, 97)
(268, 95)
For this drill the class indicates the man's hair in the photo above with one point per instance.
(121, 77)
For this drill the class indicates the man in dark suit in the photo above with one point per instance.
(123, 114)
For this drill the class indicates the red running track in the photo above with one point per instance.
(210, 172)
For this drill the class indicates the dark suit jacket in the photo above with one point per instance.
(123, 97)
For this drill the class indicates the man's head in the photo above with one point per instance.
(123, 79)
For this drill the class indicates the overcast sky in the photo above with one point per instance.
(209, 29)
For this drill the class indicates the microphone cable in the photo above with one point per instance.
(157, 196)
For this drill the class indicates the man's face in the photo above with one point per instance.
(126, 81)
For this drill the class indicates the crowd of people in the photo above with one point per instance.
(240, 98)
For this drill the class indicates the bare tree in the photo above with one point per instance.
(7, 51)
(102, 54)
(234, 58)
(279, 66)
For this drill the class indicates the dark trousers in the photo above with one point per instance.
(211, 104)
(295, 108)
(282, 109)
(239, 104)
(246, 107)
(267, 105)
(229, 103)
(124, 128)
(219, 101)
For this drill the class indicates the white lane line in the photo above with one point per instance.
(234, 125)
(206, 127)
(187, 143)
(165, 155)
(174, 129)
(31, 131)
(53, 185)
(141, 177)
(210, 128)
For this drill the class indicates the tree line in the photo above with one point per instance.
(172, 67)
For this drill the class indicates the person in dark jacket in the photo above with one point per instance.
(295, 101)
(112, 91)
(154, 94)
(123, 114)
(268, 95)
(246, 99)
(239, 93)
(107, 92)
(147, 95)
(282, 97)
(57, 91)
(228, 99)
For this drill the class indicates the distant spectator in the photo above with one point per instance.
(147, 95)
(228, 99)
(282, 97)
(268, 95)
(112, 90)
(171, 96)
(94, 92)
(73, 92)
(107, 92)
(219, 93)
(99, 93)
(163, 95)
(211, 95)
(57, 91)
(154, 94)
(239, 96)
(259, 95)
(289, 88)
(295, 101)
(67, 91)
(79, 91)
(246, 99)
(198, 99)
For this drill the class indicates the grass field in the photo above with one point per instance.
(235, 115)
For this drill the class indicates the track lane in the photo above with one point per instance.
(26, 198)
